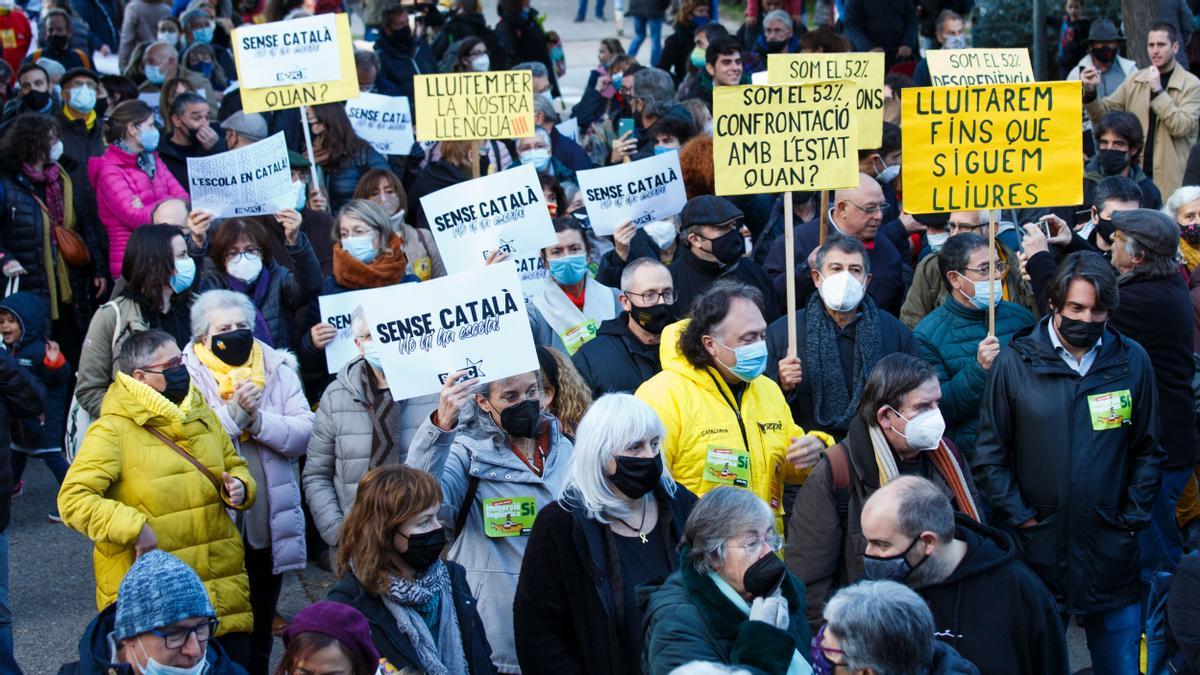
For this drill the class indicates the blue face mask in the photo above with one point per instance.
(362, 248)
(203, 36)
(662, 149)
(698, 21)
(83, 99)
(371, 354)
(204, 68)
(154, 74)
(617, 79)
(301, 194)
(981, 298)
(697, 57)
(539, 158)
(751, 360)
(570, 270)
(185, 273)
(149, 139)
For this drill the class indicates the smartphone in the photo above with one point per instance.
(1083, 216)
(625, 126)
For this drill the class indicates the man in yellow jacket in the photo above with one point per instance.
(130, 491)
(727, 424)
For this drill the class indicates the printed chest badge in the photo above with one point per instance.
(727, 466)
(509, 516)
(1111, 410)
(574, 337)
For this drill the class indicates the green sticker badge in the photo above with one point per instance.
(727, 466)
(509, 516)
(1110, 411)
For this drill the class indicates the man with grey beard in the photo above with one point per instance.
(986, 604)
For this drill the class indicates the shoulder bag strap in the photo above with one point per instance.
(464, 511)
(195, 462)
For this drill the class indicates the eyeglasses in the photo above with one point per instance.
(871, 209)
(963, 228)
(1000, 268)
(652, 297)
(173, 363)
(241, 255)
(774, 541)
(178, 637)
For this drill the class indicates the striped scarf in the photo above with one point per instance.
(943, 460)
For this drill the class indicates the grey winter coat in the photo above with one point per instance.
(279, 434)
(339, 452)
(478, 449)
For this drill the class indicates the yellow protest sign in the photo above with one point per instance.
(969, 67)
(776, 138)
(474, 106)
(262, 52)
(1004, 146)
(864, 69)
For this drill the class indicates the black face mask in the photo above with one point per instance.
(101, 107)
(1113, 162)
(729, 247)
(776, 46)
(520, 420)
(233, 347)
(1103, 55)
(57, 43)
(765, 576)
(636, 476)
(179, 383)
(653, 319)
(400, 37)
(1080, 334)
(1105, 229)
(36, 100)
(424, 549)
(193, 136)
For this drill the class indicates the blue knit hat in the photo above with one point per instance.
(158, 591)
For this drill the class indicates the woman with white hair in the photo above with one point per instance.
(255, 391)
(883, 627)
(614, 527)
(537, 150)
(1184, 207)
(732, 601)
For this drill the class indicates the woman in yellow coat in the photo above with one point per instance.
(130, 492)
(726, 423)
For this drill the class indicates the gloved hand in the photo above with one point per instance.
(772, 610)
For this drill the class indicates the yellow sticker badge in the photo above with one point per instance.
(1111, 410)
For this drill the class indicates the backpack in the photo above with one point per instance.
(78, 418)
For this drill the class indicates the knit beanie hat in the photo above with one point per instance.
(158, 591)
(341, 622)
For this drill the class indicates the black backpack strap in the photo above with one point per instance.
(839, 465)
(464, 510)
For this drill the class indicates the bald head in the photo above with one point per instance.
(908, 506)
(859, 211)
(164, 57)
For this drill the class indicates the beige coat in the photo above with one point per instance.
(1176, 110)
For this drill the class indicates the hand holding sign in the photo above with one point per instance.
(622, 238)
(455, 394)
(791, 373)
(322, 334)
(198, 222)
(290, 220)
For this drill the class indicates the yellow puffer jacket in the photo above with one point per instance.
(124, 478)
(711, 439)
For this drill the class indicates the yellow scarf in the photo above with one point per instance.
(228, 376)
(1191, 255)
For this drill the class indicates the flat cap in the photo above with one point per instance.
(1154, 230)
(708, 210)
(250, 125)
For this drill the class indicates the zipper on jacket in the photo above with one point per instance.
(737, 413)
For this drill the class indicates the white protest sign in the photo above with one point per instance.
(643, 191)
(249, 181)
(383, 121)
(152, 99)
(474, 321)
(299, 51)
(505, 211)
(338, 311)
(569, 128)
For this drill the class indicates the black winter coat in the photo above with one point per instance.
(566, 611)
(434, 177)
(398, 67)
(21, 395)
(46, 430)
(1089, 478)
(80, 145)
(394, 646)
(176, 156)
(522, 39)
(341, 180)
(692, 276)
(1183, 616)
(462, 26)
(615, 360)
(1020, 632)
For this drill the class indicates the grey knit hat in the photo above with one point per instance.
(158, 590)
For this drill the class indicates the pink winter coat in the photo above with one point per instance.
(117, 182)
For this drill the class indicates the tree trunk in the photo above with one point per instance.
(1139, 16)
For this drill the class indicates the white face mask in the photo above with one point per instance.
(662, 232)
(56, 151)
(937, 241)
(481, 64)
(153, 667)
(245, 268)
(841, 291)
(923, 432)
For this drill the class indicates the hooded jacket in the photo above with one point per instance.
(949, 340)
(688, 619)
(713, 435)
(691, 276)
(96, 652)
(32, 433)
(479, 450)
(1020, 632)
(1089, 478)
(126, 196)
(124, 479)
(434, 177)
(269, 442)
(615, 360)
(21, 395)
(399, 66)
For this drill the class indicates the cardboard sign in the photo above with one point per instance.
(474, 106)
(505, 211)
(785, 137)
(966, 67)
(338, 311)
(250, 181)
(864, 69)
(299, 51)
(383, 121)
(474, 321)
(643, 191)
(293, 93)
(1005, 146)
